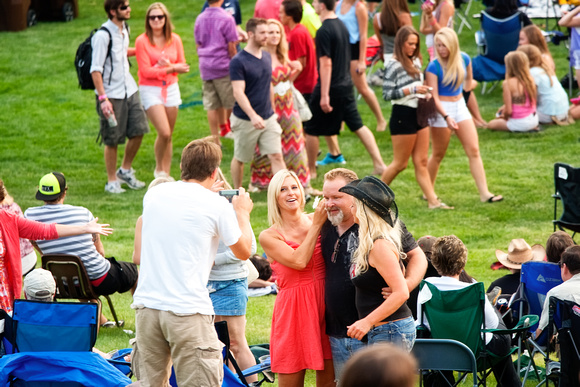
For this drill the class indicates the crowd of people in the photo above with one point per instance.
(346, 275)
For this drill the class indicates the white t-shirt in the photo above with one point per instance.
(182, 225)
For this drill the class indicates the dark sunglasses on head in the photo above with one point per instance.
(124, 7)
(158, 17)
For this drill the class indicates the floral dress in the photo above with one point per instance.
(293, 148)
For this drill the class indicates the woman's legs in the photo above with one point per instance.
(360, 82)
(473, 107)
(325, 378)
(403, 145)
(160, 119)
(439, 143)
(292, 380)
(238, 343)
(172, 118)
(420, 155)
(467, 134)
(498, 124)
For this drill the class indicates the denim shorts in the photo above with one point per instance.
(229, 298)
(342, 349)
(401, 333)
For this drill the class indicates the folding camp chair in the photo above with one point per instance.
(459, 315)
(536, 279)
(496, 38)
(72, 280)
(52, 342)
(565, 319)
(567, 183)
(462, 14)
(445, 355)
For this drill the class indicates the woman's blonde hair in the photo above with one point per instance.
(371, 228)
(274, 215)
(517, 66)
(453, 71)
(167, 28)
(537, 60)
(282, 47)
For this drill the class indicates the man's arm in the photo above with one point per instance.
(325, 74)
(98, 244)
(416, 267)
(239, 88)
(243, 205)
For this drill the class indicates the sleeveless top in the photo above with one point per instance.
(369, 295)
(430, 38)
(522, 111)
(350, 21)
(388, 40)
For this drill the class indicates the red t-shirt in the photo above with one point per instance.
(301, 44)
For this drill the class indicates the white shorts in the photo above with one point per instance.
(523, 124)
(152, 95)
(546, 119)
(456, 110)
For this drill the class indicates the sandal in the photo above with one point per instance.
(442, 206)
(494, 199)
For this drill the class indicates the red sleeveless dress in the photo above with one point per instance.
(298, 340)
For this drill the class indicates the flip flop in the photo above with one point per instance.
(442, 206)
(495, 199)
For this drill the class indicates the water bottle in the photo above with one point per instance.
(112, 120)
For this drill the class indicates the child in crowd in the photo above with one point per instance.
(518, 114)
(572, 21)
(552, 107)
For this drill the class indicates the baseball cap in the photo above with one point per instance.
(39, 285)
(51, 186)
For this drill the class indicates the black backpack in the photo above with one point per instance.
(84, 58)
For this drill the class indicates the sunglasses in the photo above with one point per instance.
(158, 17)
(124, 7)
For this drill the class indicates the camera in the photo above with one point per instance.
(229, 193)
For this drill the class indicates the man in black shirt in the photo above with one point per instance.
(339, 239)
(332, 100)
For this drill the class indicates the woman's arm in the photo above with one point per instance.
(425, 28)
(137, 241)
(296, 68)
(385, 259)
(447, 11)
(507, 100)
(89, 228)
(377, 29)
(363, 25)
(148, 70)
(278, 250)
(431, 80)
(405, 19)
(570, 19)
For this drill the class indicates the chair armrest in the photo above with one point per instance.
(480, 38)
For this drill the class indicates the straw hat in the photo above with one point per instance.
(519, 252)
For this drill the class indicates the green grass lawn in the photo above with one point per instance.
(48, 124)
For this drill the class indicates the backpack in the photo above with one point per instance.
(84, 58)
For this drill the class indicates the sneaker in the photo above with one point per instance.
(130, 179)
(160, 174)
(111, 324)
(114, 187)
(330, 159)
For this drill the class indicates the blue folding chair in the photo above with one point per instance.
(496, 38)
(51, 346)
(536, 279)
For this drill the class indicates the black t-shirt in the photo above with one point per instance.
(257, 73)
(332, 41)
(508, 283)
(340, 292)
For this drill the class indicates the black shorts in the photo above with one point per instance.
(120, 278)
(355, 51)
(403, 120)
(328, 124)
(466, 95)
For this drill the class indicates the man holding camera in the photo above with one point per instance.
(182, 224)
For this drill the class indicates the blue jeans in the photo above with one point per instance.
(342, 350)
(401, 333)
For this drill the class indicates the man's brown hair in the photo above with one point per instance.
(113, 5)
(253, 23)
(449, 255)
(199, 159)
(556, 244)
(571, 257)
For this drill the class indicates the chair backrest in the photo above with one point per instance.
(536, 279)
(501, 35)
(565, 316)
(446, 308)
(567, 183)
(54, 326)
(444, 355)
(72, 280)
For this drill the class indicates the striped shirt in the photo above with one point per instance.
(80, 245)
(396, 79)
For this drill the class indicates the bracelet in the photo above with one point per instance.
(445, 117)
(433, 22)
(103, 97)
